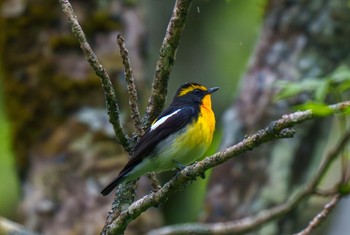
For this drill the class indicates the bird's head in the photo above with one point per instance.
(193, 92)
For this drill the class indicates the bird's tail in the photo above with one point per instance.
(122, 177)
(112, 185)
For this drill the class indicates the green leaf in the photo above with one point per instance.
(344, 86)
(317, 108)
(344, 189)
(346, 111)
(311, 84)
(288, 91)
(322, 91)
(291, 89)
(341, 74)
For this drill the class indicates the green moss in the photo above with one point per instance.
(101, 21)
(38, 102)
(38, 94)
(63, 43)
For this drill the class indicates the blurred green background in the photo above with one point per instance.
(214, 49)
(9, 183)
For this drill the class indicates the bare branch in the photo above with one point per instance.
(166, 59)
(134, 109)
(233, 227)
(273, 131)
(320, 217)
(111, 100)
(328, 160)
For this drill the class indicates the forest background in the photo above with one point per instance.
(57, 148)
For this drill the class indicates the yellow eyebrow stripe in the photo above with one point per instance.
(187, 90)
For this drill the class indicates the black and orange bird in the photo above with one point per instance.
(180, 135)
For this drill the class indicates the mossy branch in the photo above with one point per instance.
(111, 100)
(131, 87)
(166, 60)
(276, 130)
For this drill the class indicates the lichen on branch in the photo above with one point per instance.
(111, 100)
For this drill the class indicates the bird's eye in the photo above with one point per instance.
(196, 91)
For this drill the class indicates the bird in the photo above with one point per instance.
(179, 136)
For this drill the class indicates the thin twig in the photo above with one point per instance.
(328, 160)
(320, 217)
(154, 181)
(111, 100)
(252, 222)
(166, 60)
(327, 193)
(10, 227)
(134, 109)
(273, 131)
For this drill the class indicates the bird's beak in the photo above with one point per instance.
(212, 90)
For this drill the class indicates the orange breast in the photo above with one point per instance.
(200, 133)
(206, 119)
(192, 144)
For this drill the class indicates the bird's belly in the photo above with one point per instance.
(184, 148)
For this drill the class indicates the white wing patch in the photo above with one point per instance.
(163, 119)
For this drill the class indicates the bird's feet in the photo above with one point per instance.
(180, 167)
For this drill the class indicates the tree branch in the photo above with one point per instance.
(252, 222)
(166, 60)
(277, 129)
(111, 100)
(154, 181)
(320, 217)
(134, 109)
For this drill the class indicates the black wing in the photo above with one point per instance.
(174, 123)
(152, 137)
